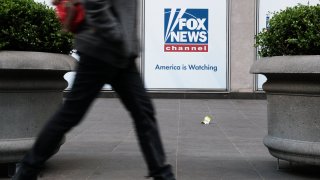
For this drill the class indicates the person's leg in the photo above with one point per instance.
(88, 82)
(130, 88)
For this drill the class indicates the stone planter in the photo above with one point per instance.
(293, 96)
(31, 89)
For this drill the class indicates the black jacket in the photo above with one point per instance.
(110, 29)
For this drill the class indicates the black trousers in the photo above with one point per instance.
(91, 75)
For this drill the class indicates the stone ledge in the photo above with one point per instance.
(293, 150)
(170, 95)
(287, 64)
(12, 150)
(27, 60)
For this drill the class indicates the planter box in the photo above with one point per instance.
(31, 87)
(293, 96)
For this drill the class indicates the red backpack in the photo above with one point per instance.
(71, 14)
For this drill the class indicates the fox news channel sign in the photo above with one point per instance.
(186, 30)
(266, 7)
(185, 44)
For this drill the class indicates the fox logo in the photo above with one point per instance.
(186, 30)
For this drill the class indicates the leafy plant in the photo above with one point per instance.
(29, 26)
(293, 31)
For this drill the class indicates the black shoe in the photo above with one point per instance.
(25, 173)
(164, 173)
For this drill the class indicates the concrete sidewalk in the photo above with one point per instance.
(104, 146)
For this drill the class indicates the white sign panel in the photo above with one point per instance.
(185, 44)
(267, 7)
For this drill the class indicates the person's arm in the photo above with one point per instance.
(55, 2)
(101, 14)
(102, 18)
(71, 12)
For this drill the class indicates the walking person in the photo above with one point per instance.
(107, 44)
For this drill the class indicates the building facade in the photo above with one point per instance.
(203, 46)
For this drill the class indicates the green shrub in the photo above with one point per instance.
(29, 26)
(293, 31)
